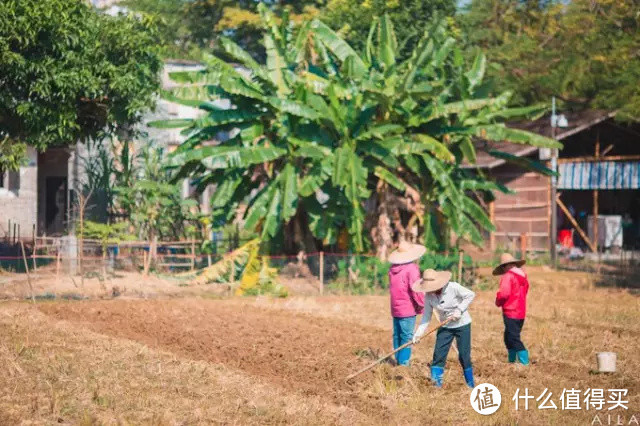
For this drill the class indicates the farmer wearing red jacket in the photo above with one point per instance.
(512, 298)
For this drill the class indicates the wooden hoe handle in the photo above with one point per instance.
(406, 345)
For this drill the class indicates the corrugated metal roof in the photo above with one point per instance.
(599, 175)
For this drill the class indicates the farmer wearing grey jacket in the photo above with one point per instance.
(451, 302)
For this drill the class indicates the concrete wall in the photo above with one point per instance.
(18, 199)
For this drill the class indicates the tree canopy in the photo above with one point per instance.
(190, 27)
(68, 73)
(584, 52)
(352, 18)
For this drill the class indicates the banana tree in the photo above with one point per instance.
(318, 132)
(439, 107)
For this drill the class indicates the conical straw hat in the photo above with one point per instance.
(432, 280)
(507, 259)
(407, 252)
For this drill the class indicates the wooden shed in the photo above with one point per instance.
(599, 169)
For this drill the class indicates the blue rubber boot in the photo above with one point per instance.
(512, 355)
(468, 377)
(436, 376)
(523, 357)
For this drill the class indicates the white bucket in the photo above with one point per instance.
(606, 362)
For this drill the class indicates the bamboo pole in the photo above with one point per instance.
(595, 219)
(492, 218)
(549, 215)
(321, 272)
(595, 198)
(575, 224)
(523, 246)
(35, 252)
(26, 267)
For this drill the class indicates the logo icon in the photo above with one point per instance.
(485, 399)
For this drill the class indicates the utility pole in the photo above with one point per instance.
(554, 190)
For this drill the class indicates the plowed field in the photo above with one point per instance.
(298, 352)
(275, 361)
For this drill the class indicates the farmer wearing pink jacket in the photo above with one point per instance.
(405, 303)
(512, 298)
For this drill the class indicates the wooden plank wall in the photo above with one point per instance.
(528, 211)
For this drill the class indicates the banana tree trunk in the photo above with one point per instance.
(382, 234)
(298, 236)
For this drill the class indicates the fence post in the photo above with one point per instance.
(321, 272)
(33, 256)
(145, 262)
(58, 265)
(523, 246)
(375, 275)
(232, 275)
(26, 267)
(193, 254)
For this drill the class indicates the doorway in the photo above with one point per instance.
(55, 205)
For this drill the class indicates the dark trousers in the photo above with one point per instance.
(512, 329)
(444, 338)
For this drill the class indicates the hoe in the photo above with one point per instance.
(406, 345)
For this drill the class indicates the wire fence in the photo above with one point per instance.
(318, 272)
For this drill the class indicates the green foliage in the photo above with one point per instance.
(583, 52)
(319, 121)
(107, 233)
(372, 275)
(70, 73)
(442, 262)
(12, 154)
(189, 28)
(171, 19)
(352, 18)
(154, 204)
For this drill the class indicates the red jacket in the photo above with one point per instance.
(512, 296)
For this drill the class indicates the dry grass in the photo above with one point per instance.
(82, 370)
